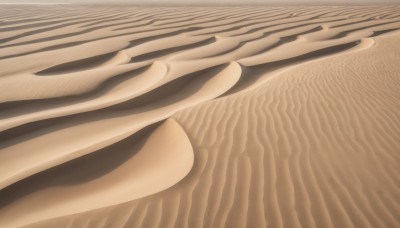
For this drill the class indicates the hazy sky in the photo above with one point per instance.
(222, 2)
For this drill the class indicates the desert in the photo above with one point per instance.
(146, 116)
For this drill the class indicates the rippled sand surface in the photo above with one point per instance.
(122, 116)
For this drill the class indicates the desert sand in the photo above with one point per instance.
(123, 116)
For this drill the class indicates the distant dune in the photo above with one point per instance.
(129, 116)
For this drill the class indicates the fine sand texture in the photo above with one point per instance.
(123, 116)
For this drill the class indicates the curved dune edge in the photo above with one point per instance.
(152, 165)
(362, 45)
(133, 87)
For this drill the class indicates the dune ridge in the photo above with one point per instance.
(269, 121)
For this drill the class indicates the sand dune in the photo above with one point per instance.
(199, 117)
(118, 173)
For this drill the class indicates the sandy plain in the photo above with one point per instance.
(122, 116)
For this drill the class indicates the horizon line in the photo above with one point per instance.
(207, 4)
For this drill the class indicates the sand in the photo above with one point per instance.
(129, 116)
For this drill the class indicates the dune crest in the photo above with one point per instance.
(148, 166)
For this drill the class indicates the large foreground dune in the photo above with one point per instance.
(121, 116)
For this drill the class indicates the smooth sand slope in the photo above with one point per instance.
(199, 117)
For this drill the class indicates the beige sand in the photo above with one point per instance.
(199, 117)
